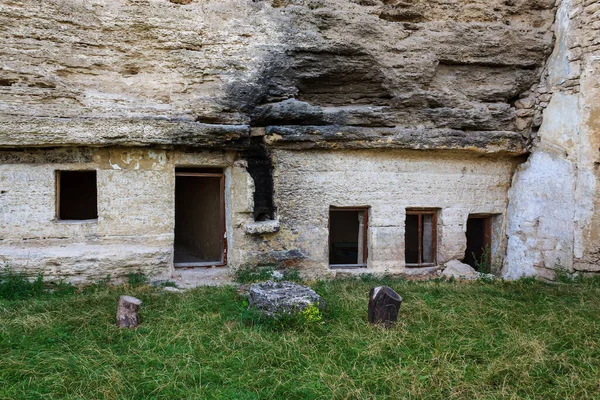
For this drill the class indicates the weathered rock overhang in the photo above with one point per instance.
(349, 137)
(20, 132)
(367, 74)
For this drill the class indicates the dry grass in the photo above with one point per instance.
(455, 341)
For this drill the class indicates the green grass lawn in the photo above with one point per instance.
(523, 339)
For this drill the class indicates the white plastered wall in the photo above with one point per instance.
(552, 199)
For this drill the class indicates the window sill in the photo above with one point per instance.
(420, 265)
(347, 266)
(261, 227)
(76, 221)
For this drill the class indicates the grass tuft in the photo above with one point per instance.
(260, 273)
(137, 278)
(18, 286)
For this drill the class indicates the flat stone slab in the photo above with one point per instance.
(282, 297)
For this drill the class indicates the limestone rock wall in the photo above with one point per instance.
(553, 211)
(421, 64)
(388, 182)
(360, 86)
(136, 205)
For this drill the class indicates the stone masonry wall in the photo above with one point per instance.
(552, 216)
(135, 225)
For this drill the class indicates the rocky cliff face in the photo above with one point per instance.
(420, 68)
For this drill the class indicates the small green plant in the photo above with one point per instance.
(137, 278)
(306, 318)
(484, 262)
(311, 315)
(259, 273)
(291, 274)
(253, 273)
(562, 275)
(97, 285)
(17, 286)
(61, 288)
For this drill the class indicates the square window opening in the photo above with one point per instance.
(420, 238)
(348, 229)
(76, 195)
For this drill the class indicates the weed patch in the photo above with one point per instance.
(259, 273)
(137, 278)
(18, 286)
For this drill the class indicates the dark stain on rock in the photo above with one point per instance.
(292, 86)
(130, 69)
(260, 168)
(338, 77)
(395, 15)
(46, 156)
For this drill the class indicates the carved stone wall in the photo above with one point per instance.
(385, 103)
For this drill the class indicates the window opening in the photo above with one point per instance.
(479, 242)
(348, 229)
(76, 195)
(199, 218)
(420, 238)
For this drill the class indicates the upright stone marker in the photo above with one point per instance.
(127, 312)
(384, 304)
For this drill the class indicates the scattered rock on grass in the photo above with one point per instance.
(282, 297)
(458, 270)
(172, 289)
(127, 312)
(384, 304)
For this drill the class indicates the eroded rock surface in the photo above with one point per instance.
(282, 297)
(418, 65)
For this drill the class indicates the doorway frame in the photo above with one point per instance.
(364, 236)
(222, 219)
(488, 233)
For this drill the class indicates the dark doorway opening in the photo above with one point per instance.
(348, 229)
(479, 242)
(420, 238)
(77, 195)
(199, 218)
